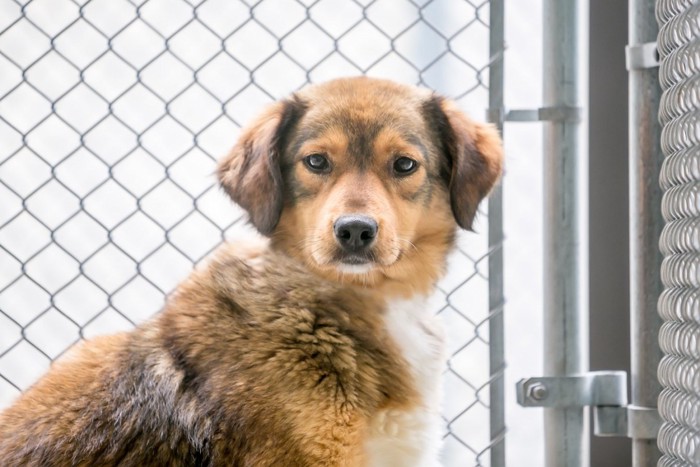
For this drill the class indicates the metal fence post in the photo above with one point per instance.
(496, 300)
(566, 209)
(646, 222)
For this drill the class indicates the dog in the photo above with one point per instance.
(314, 348)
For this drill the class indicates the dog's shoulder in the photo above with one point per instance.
(286, 352)
(278, 317)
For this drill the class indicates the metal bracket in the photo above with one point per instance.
(542, 114)
(642, 56)
(605, 391)
(594, 388)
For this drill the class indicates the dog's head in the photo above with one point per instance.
(364, 180)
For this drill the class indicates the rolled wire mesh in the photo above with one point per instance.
(112, 115)
(679, 304)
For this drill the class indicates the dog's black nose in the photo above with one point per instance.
(355, 233)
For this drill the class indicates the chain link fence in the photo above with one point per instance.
(679, 370)
(112, 116)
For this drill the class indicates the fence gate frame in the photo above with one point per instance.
(568, 387)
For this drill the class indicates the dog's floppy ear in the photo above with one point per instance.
(250, 173)
(473, 157)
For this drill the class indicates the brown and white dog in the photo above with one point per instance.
(315, 349)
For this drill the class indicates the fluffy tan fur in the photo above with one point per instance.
(270, 355)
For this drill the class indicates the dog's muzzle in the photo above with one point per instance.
(355, 234)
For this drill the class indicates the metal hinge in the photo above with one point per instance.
(642, 56)
(605, 391)
(629, 421)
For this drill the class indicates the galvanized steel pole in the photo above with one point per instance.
(566, 221)
(646, 224)
(496, 328)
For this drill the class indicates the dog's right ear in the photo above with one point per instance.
(250, 173)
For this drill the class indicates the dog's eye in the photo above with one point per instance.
(405, 166)
(317, 163)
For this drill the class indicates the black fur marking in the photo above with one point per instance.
(292, 189)
(361, 141)
(462, 166)
(444, 135)
(303, 134)
(258, 186)
(230, 306)
(423, 193)
(190, 379)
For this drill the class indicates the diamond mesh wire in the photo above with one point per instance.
(112, 115)
(679, 370)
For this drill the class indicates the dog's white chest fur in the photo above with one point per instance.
(412, 437)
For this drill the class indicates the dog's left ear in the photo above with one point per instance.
(473, 157)
(250, 173)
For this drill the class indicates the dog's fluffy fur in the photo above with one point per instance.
(286, 354)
